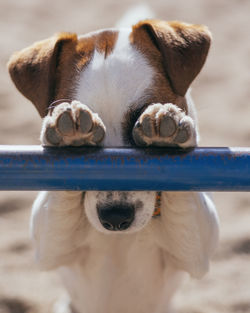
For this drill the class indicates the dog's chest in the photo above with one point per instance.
(112, 270)
(109, 85)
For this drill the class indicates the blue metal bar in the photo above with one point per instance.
(207, 169)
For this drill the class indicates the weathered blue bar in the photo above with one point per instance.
(207, 169)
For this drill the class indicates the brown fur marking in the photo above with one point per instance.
(177, 52)
(48, 70)
(183, 48)
(103, 42)
(37, 71)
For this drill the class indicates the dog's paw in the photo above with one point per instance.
(72, 124)
(164, 125)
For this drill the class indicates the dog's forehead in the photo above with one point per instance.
(125, 64)
(115, 67)
(115, 77)
(101, 40)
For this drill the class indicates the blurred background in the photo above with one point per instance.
(221, 93)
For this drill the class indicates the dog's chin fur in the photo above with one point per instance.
(143, 201)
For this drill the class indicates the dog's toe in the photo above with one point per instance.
(65, 123)
(167, 126)
(52, 136)
(137, 134)
(72, 124)
(148, 126)
(98, 133)
(85, 121)
(183, 134)
(164, 125)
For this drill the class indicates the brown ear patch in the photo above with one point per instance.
(161, 90)
(39, 70)
(47, 71)
(104, 42)
(183, 49)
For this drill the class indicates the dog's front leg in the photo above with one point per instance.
(165, 125)
(58, 223)
(72, 124)
(58, 227)
(187, 230)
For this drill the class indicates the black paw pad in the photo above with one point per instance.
(148, 126)
(183, 135)
(65, 124)
(167, 126)
(52, 137)
(98, 133)
(85, 121)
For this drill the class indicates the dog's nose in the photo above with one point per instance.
(116, 215)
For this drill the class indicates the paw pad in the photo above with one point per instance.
(72, 124)
(167, 126)
(164, 125)
(85, 121)
(65, 124)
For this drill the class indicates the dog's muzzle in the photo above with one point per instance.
(116, 215)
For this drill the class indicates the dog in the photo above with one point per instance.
(119, 87)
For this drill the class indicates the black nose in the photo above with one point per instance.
(116, 215)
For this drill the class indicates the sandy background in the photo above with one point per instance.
(221, 93)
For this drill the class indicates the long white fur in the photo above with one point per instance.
(112, 272)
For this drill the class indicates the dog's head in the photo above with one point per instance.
(116, 73)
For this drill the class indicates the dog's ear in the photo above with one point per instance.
(36, 70)
(183, 47)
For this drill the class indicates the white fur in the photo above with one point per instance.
(112, 272)
(107, 86)
(137, 272)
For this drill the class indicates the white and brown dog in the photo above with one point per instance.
(117, 87)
